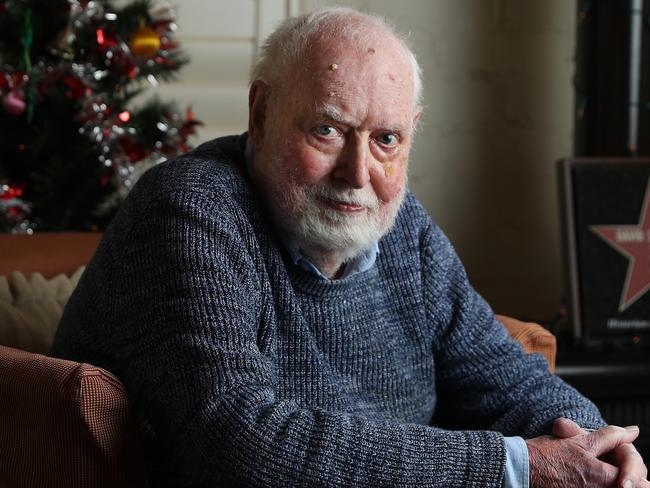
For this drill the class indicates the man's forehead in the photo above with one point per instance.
(333, 54)
(341, 69)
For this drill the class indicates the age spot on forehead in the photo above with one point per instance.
(396, 80)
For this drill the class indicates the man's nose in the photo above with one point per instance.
(353, 163)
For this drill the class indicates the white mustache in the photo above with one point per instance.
(347, 197)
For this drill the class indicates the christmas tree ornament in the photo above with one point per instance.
(105, 38)
(145, 42)
(14, 102)
(101, 40)
(167, 44)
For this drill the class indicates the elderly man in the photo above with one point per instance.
(283, 311)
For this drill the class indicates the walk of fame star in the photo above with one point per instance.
(633, 241)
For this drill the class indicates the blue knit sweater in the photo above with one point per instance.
(245, 370)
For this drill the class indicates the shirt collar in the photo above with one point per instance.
(363, 262)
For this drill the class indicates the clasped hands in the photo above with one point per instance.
(573, 457)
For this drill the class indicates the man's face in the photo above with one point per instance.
(332, 144)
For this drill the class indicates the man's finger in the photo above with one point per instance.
(631, 467)
(606, 439)
(564, 428)
(600, 473)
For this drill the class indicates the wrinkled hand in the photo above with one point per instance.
(577, 458)
(624, 456)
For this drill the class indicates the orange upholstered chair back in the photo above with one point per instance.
(48, 253)
(64, 424)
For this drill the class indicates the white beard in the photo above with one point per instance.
(316, 228)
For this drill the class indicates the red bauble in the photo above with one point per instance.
(14, 103)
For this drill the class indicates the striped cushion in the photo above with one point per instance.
(30, 310)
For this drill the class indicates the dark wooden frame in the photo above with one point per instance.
(570, 249)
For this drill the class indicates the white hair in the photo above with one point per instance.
(292, 39)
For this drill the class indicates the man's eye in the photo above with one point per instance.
(388, 139)
(325, 130)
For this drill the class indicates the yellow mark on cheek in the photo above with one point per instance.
(330, 94)
(334, 67)
(389, 170)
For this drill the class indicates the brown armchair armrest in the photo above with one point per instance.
(532, 337)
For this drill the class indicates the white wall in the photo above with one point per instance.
(498, 113)
(221, 38)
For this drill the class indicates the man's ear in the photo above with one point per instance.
(258, 96)
(416, 118)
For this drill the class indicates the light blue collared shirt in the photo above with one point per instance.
(517, 463)
(361, 263)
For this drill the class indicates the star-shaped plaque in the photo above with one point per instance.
(633, 241)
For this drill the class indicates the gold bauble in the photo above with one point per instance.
(145, 42)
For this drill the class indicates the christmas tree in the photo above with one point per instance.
(73, 138)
